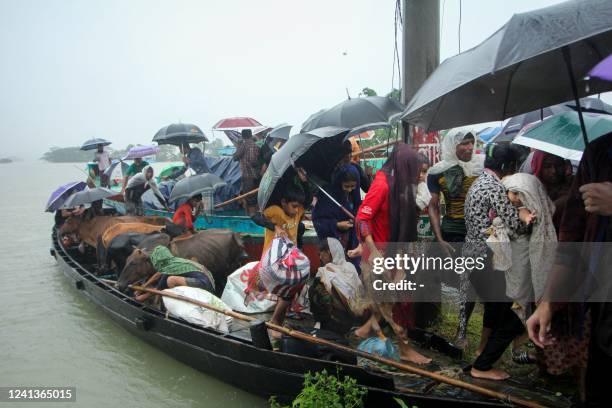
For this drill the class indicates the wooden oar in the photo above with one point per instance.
(401, 366)
(254, 191)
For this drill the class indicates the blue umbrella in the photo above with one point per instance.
(62, 193)
(92, 144)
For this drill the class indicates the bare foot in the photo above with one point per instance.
(492, 374)
(407, 353)
(365, 330)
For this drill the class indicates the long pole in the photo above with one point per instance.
(421, 47)
(317, 340)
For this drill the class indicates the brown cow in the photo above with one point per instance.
(122, 228)
(221, 251)
(88, 230)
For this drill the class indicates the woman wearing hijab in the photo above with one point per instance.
(487, 200)
(388, 215)
(136, 187)
(329, 220)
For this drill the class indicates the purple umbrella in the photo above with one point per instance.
(138, 152)
(59, 196)
(603, 70)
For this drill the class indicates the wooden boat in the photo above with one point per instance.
(233, 358)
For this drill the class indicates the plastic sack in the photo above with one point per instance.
(234, 292)
(376, 345)
(282, 271)
(499, 242)
(196, 314)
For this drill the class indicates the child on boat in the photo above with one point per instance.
(284, 219)
(185, 214)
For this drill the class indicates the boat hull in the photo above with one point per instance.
(227, 357)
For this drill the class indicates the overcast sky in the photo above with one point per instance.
(121, 70)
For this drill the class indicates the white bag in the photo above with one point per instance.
(499, 242)
(196, 314)
(233, 293)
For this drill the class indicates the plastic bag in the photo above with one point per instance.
(196, 314)
(234, 292)
(499, 242)
(376, 345)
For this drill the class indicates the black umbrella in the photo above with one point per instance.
(190, 186)
(317, 151)
(533, 61)
(88, 197)
(274, 140)
(179, 133)
(92, 144)
(358, 114)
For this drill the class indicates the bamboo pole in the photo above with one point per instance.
(254, 191)
(237, 198)
(399, 365)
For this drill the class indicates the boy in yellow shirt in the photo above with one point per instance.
(284, 219)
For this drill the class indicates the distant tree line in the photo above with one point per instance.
(74, 154)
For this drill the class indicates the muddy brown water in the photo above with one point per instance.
(50, 335)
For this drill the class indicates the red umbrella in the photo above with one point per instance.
(238, 122)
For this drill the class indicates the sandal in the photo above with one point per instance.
(523, 358)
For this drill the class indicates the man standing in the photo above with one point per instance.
(248, 155)
(451, 179)
(194, 159)
(101, 157)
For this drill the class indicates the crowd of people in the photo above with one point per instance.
(479, 205)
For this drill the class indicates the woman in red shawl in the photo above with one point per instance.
(388, 214)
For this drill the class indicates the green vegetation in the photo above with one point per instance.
(323, 390)
(74, 154)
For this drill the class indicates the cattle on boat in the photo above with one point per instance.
(221, 251)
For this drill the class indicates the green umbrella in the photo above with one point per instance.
(169, 169)
(561, 134)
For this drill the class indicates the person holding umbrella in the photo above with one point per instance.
(136, 187)
(102, 158)
(194, 159)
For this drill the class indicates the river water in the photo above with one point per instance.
(50, 335)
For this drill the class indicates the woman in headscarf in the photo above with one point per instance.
(172, 271)
(136, 187)
(388, 215)
(531, 256)
(328, 218)
(486, 201)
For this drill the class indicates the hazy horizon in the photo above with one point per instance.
(121, 70)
